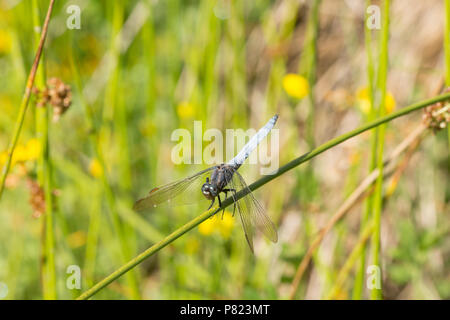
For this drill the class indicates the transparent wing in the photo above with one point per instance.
(252, 213)
(176, 193)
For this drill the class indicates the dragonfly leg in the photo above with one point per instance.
(234, 197)
(212, 203)
(220, 204)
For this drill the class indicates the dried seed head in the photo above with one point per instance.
(437, 116)
(41, 96)
(59, 96)
(37, 198)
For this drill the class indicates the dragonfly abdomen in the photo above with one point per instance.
(239, 159)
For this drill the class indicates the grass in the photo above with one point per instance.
(359, 279)
(24, 104)
(44, 175)
(447, 51)
(224, 63)
(377, 203)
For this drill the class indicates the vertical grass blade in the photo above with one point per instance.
(447, 55)
(367, 209)
(45, 175)
(376, 293)
(25, 99)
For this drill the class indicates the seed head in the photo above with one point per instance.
(37, 198)
(437, 116)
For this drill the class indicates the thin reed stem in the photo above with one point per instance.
(45, 174)
(447, 56)
(359, 278)
(351, 260)
(25, 99)
(378, 196)
(257, 184)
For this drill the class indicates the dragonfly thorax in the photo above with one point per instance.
(220, 177)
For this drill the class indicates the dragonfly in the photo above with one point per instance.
(222, 179)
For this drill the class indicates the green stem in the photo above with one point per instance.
(25, 99)
(351, 260)
(257, 184)
(311, 63)
(447, 55)
(45, 174)
(447, 42)
(113, 100)
(375, 293)
(359, 278)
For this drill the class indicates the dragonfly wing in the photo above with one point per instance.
(252, 213)
(172, 193)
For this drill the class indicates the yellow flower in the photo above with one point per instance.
(295, 85)
(95, 168)
(185, 110)
(226, 225)
(3, 157)
(389, 102)
(28, 152)
(33, 148)
(355, 158)
(20, 154)
(207, 227)
(223, 225)
(5, 41)
(147, 128)
(363, 101)
(76, 239)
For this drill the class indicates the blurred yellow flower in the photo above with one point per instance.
(5, 41)
(226, 225)
(223, 225)
(147, 128)
(95, 168)
(389, 102)
(340, 295)
(33, 148)
(355, 158)
(363, 101)
(207, 227)
(3, 157)
(28, 152)
(185, 110)
(295, 85)
(76, 239)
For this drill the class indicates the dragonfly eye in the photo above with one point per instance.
(213, 190)
(205, 188)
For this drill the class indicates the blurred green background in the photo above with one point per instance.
(138, 70)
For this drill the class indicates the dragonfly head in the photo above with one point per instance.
(209, 190)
